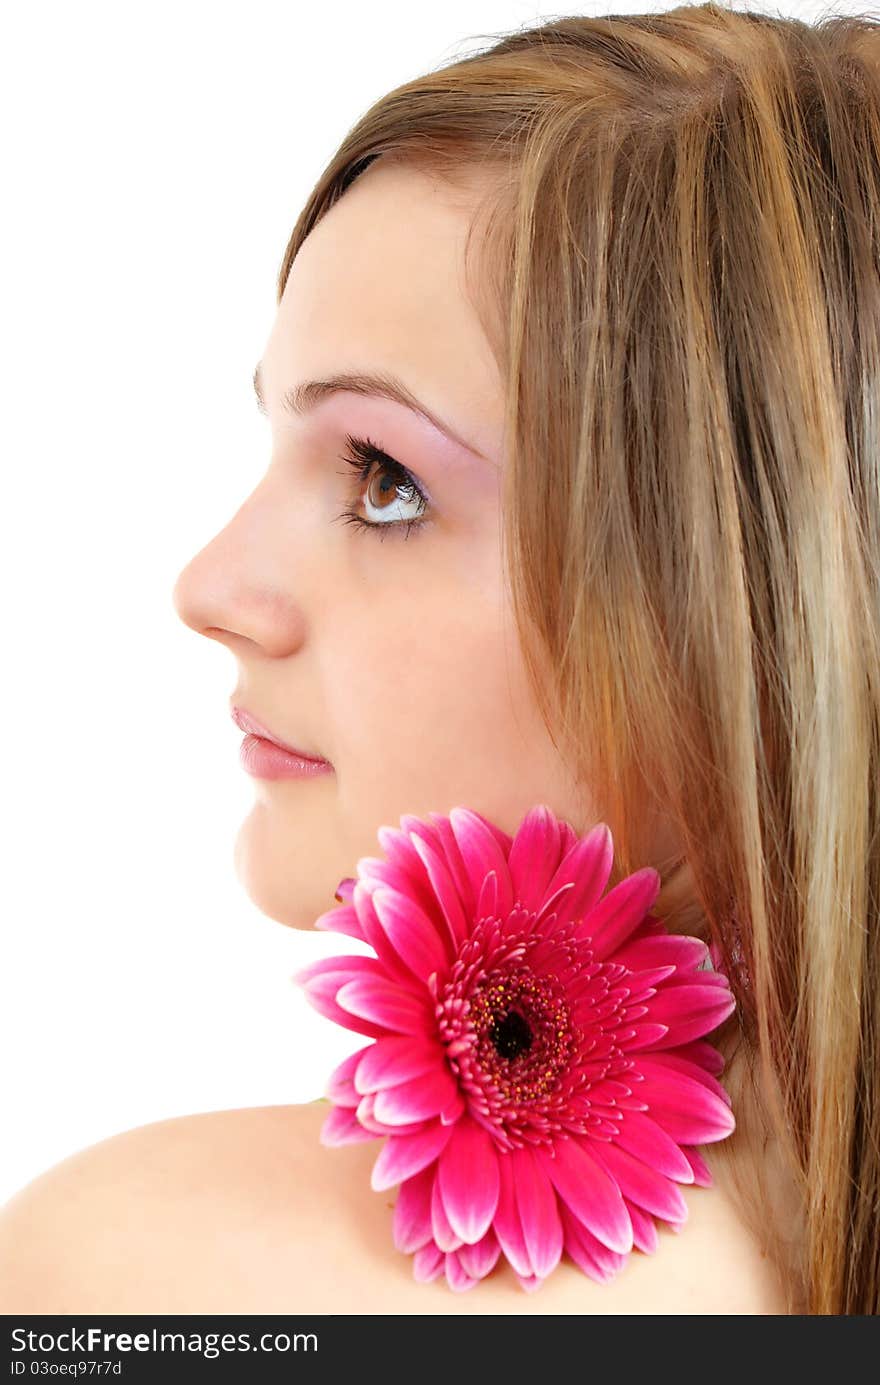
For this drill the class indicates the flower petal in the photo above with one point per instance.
(685, 1109)
(481, 853)
(529, 1282)
(589, 1191)
(321, 995)
(443, 886)
(342, 918)
(428, 1263)
(412, 878)
(385, 1003)
(534, 856)
(554, 905)
(588, 1253)
(479, 1259)
(356, 964)
(645, 1236)
(620, 912)
(389, 958)
(340, 1084)
(457, 1106)
(342, 1127)
(467, 1174)
(411, 932)
(504, 840)
(423, 1096)
(639, 1183)
(704, 1054)
(411, 1221)
(506, 1223)
(646, 1140)
(447, 845)
(395, 1058)
(403, 1155)
(641, 1035)
(456, 1277)
(487, 900)
(409, 881)
(538, 1211)
(441, 1229)
(673, 1059)
(588, 863)
(368, 1120)
(684, 952)
(690, 1011)
(702, 1173)
(644, 983)
(568, 837)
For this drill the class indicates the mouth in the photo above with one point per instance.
(249, 724)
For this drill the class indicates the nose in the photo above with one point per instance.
(241, 584)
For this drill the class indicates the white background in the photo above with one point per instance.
(154, 160)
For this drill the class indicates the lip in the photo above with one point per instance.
(249, 724)
(265, 760)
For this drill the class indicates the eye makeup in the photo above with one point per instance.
(362, 456)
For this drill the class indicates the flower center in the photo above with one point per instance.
(529, 1021)
(511, 1035)
(522, 1033)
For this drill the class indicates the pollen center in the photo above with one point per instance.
(511, 1035)
(522, 1036)
(531, 1024)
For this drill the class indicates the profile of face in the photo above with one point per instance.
(388, 650)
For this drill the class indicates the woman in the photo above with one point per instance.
(598, 308)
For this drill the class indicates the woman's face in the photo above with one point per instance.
(391, 655)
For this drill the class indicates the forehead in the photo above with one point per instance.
(379, 285)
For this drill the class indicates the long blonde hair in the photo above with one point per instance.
(679, 276)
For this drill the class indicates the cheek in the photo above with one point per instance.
(431, 709)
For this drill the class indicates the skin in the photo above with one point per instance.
(244, 1212)
(396, 659)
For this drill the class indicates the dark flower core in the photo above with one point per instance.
(533, 1027)
(511, 1035)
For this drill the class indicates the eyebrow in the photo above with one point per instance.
(300, 399)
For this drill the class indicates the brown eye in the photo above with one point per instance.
(391, 491)
(386, 489)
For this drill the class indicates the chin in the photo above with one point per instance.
(276, 886)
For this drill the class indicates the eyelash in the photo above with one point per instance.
(364, 455)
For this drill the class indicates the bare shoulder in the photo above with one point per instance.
(181, 1215)
(243, 1211)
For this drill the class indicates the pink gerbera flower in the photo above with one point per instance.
(537, 1057)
